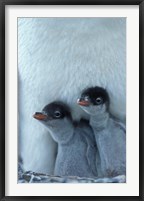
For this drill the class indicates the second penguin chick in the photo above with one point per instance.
(76, 147)
(109, 133)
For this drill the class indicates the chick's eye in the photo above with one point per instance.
(57, 114)
(99, 100)
(86, 98)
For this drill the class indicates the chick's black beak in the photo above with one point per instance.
(40, 116)
(82, 102)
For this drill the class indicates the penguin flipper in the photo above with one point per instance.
(91, 154)
(91, 158)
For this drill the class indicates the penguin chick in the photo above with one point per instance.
(110, 134)
(76, 148)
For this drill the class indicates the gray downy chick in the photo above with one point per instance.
(76, 147)
(110, 134)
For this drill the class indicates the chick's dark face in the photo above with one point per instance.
(56, 111)
(94, 98)
(52, 114)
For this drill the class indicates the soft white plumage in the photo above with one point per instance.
(58, 58)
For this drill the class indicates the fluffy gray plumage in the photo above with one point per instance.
(76, 143)
(110, 134)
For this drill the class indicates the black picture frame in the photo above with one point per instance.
(3, 3)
